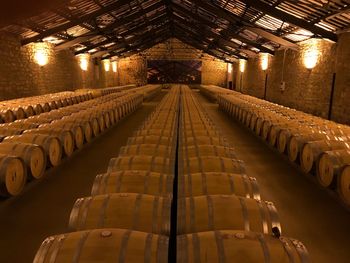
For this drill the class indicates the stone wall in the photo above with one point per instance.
(214, 71)
(21, 76)
(307, 90)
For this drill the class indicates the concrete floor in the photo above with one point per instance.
(44, 207)
(307, 212)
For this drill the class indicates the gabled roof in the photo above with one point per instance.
(222, 28)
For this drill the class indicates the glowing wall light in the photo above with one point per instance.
(106, 64)
(229, 68)
(242, 64)
(264, 61)
(114, 66)
(41, 53)
(311, 54)
(84, 61)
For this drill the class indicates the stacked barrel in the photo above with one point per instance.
(321, 147)
(212, 92)
(148, 91)
(220, 215)
(30, 146)
(22, 108)
(127, 217)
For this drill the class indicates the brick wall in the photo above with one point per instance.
(306, 90)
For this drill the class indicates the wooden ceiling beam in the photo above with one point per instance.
(78, 21)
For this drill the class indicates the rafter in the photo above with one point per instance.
(76, 22)
(227, 36)
(153, 22)
(122, 21)
(272, 11)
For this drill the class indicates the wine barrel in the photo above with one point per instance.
(239, 246)
(311, 152)
(66, 137)
(29, 110)
(194, 133)
(343, 185)
(297, 141)
(213, 212)
(330, 166)
(13, 175)
(50, 144)
(162, 132)
(218, 183)
(133, 182)
(74, 128)
(8, 131)
(32, 154)
(147, 149)
(19, 113)
(133, 211)
(104, 245)
(212, 164)
(22, 125)
(38, 109)
(7, 115)
(203, 140)
(152, 139)
(207, 150)
(142, 163)
(85, 126)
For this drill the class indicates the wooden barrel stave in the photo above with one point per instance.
(33, 155)
(145, 213)
(50, 144)
(133, 182)
(142, 163)
(239, 246)
(213, 183)
(104, 245)
(13, 175)
(211, 212)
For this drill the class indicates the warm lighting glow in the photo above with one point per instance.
(107, 64)
(84, 61)
(264, 61)
(229, 68)
(114, 66)
(242, 63)
(311, 54)
(311, 58)
(41, 53)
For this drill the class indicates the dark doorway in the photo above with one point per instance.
(174, 71)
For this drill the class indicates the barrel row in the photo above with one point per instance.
(320, 147)
(106, 91)
(227, 222)
(22, 108)
(127, 217)
(43, 142)
(212, 92)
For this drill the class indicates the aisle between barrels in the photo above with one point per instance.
(44, 207)
(307, 212)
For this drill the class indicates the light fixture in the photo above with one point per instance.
(41, 53)
(311, 54)
(106, 64)
(84, 61)
(242, 64)
(264, 61)
(229, 68)
(114, 66)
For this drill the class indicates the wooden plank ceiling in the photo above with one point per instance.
(222, 28)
